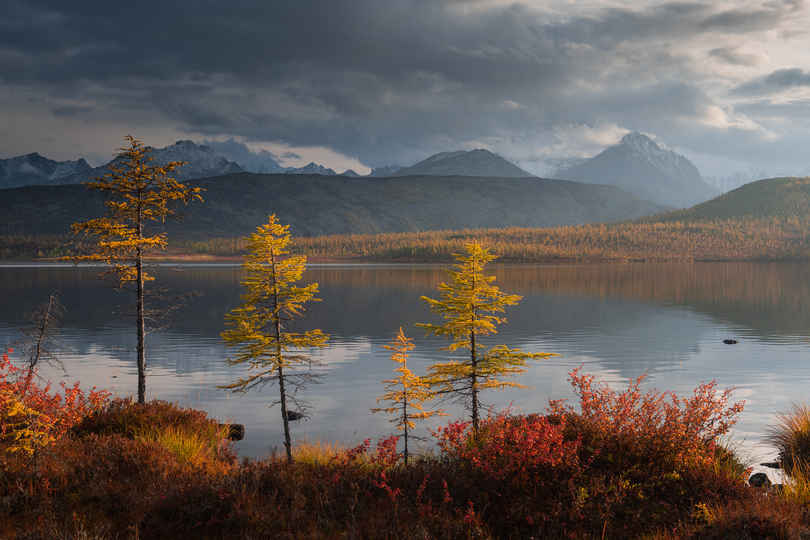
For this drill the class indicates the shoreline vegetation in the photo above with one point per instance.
(622, 464)
(749, 240)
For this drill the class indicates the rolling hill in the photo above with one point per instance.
(780, 198)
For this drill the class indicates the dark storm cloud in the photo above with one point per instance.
(70, 111)
(380, 80)
(775, 82)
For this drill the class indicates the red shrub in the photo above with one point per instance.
(33, 416)
(517, 448)
(656, 428)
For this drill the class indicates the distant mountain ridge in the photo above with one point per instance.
(547, 167)
(33, 169)
(201, 162)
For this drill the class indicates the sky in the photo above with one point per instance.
(366, 83)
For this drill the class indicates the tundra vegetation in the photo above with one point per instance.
(620, 464)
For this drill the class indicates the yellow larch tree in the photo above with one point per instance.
(136, 193)
(467, 304)
(406, 402)
(258, 327)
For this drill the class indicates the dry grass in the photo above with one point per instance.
(791, 435)
(319, 452)
(195, 447)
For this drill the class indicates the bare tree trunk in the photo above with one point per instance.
(43, 330)
(474, 386)
(405, 416)
(280, 359)
(139, 321)
(287, 437)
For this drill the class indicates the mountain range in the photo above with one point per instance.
(636, 164)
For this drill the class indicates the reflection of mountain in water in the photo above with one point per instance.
(594, 308)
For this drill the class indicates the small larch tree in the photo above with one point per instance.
(259, 326)
(407, 393)
(468, 304)
(136, 194)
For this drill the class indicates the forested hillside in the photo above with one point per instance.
(313, 205)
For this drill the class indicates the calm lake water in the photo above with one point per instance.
(619, 320)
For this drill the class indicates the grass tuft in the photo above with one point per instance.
(791, 435)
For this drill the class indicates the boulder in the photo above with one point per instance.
(236, 432)
(759, 480)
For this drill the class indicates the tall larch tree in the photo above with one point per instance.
(259, 326)
(468, 304)
(406, 393)
(136, 195)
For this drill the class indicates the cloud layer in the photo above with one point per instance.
(374, 82)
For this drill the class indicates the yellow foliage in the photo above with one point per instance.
(23, 425)
(135, 193)
(467, 304)
(257, 325)
(408, 402)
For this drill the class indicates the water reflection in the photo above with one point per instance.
(617, 319)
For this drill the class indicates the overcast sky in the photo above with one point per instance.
(364, 83)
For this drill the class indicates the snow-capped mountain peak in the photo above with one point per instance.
(312, 168)
(201, 161)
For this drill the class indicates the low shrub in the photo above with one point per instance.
(188, 434)
(604, 471)
(32, 417)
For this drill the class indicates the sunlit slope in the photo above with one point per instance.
(780, 198)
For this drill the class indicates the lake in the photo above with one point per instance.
(618, 320)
